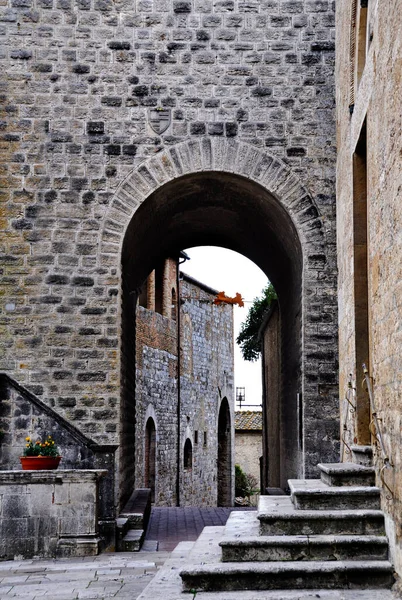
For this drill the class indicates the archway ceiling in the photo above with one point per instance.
(217, 209)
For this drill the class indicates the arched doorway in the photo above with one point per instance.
(225, 496)
(150, 456)
(238, 197)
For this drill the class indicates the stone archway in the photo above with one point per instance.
(227, 193)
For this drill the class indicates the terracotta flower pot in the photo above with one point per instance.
(39, 463)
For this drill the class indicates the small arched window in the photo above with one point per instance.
(188, 455)
(174, 305)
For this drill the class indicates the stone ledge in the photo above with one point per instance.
(55, 476)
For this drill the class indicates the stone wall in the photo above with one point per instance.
(22, 415)
(206, 376)
(249, 90)
(369, 133)
(49, 513)
(248, 450)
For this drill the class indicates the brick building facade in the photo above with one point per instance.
(178, 422)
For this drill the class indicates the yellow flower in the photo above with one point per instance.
(26, 445)
(28, 439)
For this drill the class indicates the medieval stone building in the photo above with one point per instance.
(184, 428)
(132, 130)
(369, 194)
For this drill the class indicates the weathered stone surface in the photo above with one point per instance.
(206, 366)
(369, 222)
(39, 508)
(239, 78)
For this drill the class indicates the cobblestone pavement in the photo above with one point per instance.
(169, 526)
(119, 575)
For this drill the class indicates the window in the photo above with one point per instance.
(174, 305)
(143, 296)
(195, 437)
(205, 439)
(188, 455)
(159, 288)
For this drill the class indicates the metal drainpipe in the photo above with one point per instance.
(184, 257)
(178, 384)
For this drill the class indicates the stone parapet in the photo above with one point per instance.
(49, 513)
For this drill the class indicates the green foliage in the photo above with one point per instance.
(240, 482)
(46, 448)
(245, 483)
(247, 339)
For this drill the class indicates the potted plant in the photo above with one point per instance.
(40, 455)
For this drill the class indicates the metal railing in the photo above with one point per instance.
(375, 430)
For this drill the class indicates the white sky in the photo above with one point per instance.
(231, 272)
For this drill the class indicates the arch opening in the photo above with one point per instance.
(188, 455)
(225, 495)
(221, 209)
(150, 457)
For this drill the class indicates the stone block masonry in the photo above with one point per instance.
(80, 80)
(206, 366)
(49, 513)
(369, 189)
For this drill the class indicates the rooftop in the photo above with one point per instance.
(248, 420)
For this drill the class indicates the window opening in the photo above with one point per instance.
(159, 288)
(174, 305)
(188, 455)
(143, 297)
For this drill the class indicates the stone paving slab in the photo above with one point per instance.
(120, 575)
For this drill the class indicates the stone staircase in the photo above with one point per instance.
(132, 522)
(329, 534)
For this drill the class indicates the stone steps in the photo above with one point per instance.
(347, 474)
(325, 536)
(278, 516)
(167, 584)
(242, 543)
(292, 548)
(133, 540)
(314, 494)
(287, 575)
(133, 520)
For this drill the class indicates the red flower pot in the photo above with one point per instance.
(39, 463)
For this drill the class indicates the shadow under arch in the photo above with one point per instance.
(270, 219)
